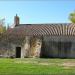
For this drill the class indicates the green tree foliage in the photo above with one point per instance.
(72, 17)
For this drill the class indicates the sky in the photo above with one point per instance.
(36, 11)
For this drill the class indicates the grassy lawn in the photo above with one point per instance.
(31, 66)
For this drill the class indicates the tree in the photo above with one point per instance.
(2, 27)
(72, 17)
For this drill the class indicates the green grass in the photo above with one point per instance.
(30, 66)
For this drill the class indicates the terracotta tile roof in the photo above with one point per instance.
(44, 29)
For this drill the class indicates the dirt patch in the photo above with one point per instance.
(69, 64)
(34, 62)
(45, 63)
(24, 62)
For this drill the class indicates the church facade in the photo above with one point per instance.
(55, 40)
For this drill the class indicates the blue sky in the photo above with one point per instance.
(39, 11)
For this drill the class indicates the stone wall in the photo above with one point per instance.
(35, 49)
(31, 47)
(25, 48)
(46, 46)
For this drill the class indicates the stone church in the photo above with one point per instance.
(56, 40)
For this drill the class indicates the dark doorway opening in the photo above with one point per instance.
(18, 52)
